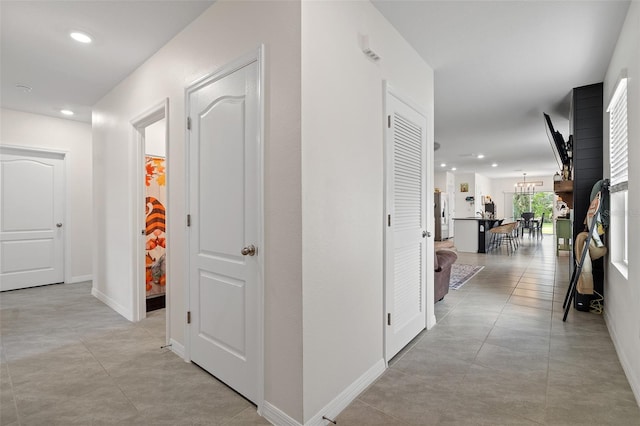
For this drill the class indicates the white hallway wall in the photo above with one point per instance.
(155, 139)
(39, 131)
(446, 182)
(440, 181)
(479, 186)
(336, 192)
(342, 175)
(464, 208)
(224, 32)
(484, 187)
(622, 294)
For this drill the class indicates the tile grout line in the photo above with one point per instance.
(381, 411)
(115, 382)
(536, 252)
(13, 392)
(553, 302)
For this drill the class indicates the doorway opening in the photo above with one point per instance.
(155, 157)
(151, 285)
(539, 203)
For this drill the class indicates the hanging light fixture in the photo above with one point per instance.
(524, 187)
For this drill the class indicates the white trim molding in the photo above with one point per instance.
(347, 396)
(112, 304)
(431, 321)
(276, 416)
(177, 348)
(81, 279)
(139, 123)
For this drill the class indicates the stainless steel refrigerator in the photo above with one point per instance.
(442, 216)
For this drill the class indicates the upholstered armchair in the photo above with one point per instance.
(442, 264)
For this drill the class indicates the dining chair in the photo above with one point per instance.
(527, 219)
(539, 227)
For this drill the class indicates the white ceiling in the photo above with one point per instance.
(36, 50)
(498, 64)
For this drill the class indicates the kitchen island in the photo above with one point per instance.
(472, 233)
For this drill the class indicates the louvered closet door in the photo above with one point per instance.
(405, 242)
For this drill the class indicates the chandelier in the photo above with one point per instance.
(526, 188)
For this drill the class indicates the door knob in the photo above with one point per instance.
(249, 250)
(59, 225)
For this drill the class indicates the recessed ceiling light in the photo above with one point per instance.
(480, 155)
(66, 112)
(24, 88)
(453, 169)
(494, 165)
(81, 37)
(443, 165)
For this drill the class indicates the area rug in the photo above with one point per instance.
(461, 273)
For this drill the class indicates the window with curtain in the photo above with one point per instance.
(619, 175)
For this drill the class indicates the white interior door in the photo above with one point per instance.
(405, 229)
(31, 222)
(224, 205)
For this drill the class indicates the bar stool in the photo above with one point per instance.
(506, 234)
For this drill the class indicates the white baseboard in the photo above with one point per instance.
(624, 361)
(177, 348)
(81, 279)
(347, 396)
(112, 304)
(431, 321)
(277, 417)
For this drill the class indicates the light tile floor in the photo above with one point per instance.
(67, 359)
(499, 355)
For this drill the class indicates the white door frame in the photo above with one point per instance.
(254, 56)
(429, 267)
(140, 123)
(64, 155)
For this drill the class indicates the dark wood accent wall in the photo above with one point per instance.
(587, 148)
(586, 127)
